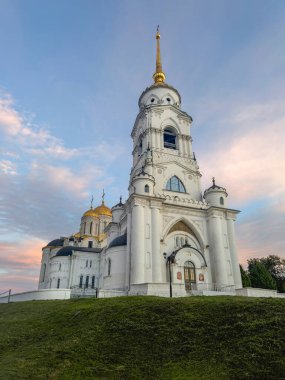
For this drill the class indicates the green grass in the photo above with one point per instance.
(143, 338)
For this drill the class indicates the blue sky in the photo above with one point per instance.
(71, 75)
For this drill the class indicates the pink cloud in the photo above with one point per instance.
(8, 167)
(10, 120)
(20, 264)
(251, 164)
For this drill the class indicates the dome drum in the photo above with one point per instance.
(161, 95)
(216, 195)
(143, 184)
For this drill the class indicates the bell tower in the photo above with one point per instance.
(174, 235)
(162, 144)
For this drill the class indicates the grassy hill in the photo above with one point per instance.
(143, 338)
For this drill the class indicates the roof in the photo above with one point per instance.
(215, 187)
(120, 240)
(56, 243)
(103, 210)
(68, 251)
(155, 85)
(91, 212)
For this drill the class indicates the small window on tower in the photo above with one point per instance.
(152, 100)
(146, 189)
(109, 267)
(222, 201)
(140, 146)
(81, 281)
(168, 99)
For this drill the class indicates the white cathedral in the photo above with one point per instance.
(168, 238)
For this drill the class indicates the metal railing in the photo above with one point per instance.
(83, 291)
(8, 295)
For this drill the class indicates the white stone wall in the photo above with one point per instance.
(116, 278)
(37, 295)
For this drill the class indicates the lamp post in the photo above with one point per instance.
(169, 261)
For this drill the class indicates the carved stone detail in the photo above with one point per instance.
(167, 220)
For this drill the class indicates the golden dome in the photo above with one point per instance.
(91, 212)
(103, 210)
(77, 235)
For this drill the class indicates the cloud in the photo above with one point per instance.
(249, 157)
(35, 139)
(20, 264)
(8, 167)
(10, 120)
(262, 233)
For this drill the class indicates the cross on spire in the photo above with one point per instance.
(103, 196)
(92, 202)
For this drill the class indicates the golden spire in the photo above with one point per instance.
(158, 76)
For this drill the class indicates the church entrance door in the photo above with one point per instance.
(189, 275)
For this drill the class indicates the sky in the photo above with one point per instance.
(71, 73)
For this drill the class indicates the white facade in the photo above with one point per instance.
(168, 234)
(74, 262)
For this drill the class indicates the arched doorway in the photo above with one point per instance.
(189, 275)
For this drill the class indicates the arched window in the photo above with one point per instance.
(58, 283)
(87, 282)
(177, 241)
(174, 184)
(93, 282)
(222, 201)
(169, 138)
(84, 230)
(146, 189)
(44, 272)
(81, 281)
(91, 224)
(109, 267)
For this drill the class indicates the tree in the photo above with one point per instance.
(276, 267)
(259, 276)
(244, 277)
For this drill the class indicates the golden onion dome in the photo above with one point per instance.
(91, 212)
(103, 210)
(77, 235)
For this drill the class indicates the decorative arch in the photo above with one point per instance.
(171, 123)
(182, 255)
(195, 230)
(170, 97)
(181, 226)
